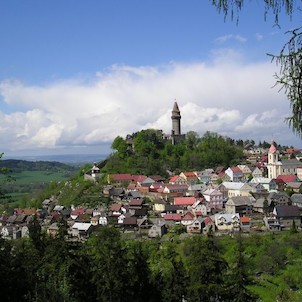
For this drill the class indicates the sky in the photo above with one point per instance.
(76, 74)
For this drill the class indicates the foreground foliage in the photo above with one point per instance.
(109, 267)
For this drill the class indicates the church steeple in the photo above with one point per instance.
(176, 130)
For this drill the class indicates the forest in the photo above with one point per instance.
(111, 267)
(148, 152)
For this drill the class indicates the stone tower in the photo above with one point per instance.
(176, 120)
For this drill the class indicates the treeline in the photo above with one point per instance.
(16, 165)
(109, 267)
(148, 152)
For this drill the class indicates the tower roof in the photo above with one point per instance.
(175, 108)
(272, 148)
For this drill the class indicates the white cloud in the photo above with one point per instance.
(229, 37)
(227, 96)
(258, 36)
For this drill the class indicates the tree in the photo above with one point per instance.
(289, 60)
(4, 171)
(239, 276)
(206, 269)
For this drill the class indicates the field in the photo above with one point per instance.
(26, 179)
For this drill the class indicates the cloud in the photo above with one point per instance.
(224, 39)
(226, 95)
(258, 36)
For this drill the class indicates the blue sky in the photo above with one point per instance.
(75, 74)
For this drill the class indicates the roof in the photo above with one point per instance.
(81, 226)
(296, 198)
(287, 211)
(240, 200)
(121, 177)
(184, 201)
(130, 220)
(175, 217)
(272, 148)
(288, 178)
(236, 169)
(174, 178)
(245, 219)
(138, 178)
(136, 202)
(115, 207)
(188, 216)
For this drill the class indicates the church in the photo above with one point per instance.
(276, 166)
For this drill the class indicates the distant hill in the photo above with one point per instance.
(18, 165)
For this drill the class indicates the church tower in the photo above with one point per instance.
(273, 161)
(176, 120)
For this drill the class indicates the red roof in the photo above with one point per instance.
(121, 177)
(78, 211)
(174, 178)
(190, 174)
(235, 169)
(115, 207)
(207, 220)
(188, 216)
(272, 148)
(139, 178)
(184, 201)
(136, 202)
(175, 217)
(287, 178)
(245, 219)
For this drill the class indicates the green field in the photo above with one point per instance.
(27, 177)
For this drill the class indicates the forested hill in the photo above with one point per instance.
(148, 152)
(16, 165)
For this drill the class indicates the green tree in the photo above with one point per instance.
(289, 59)
(239, 277)
(108, 262)
(206, 269)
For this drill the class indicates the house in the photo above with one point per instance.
(263, 205)
(184, 201)
(256, 172)
(170, 190)
(213, 199)
(195, 189)
(158, 229)
(239, 204)
(296, 200)
(159, 205)
(231, 189)
(171, 219)
(267, 183)
(188, 219)
(245, 223)
(189, 177)
(196, 226)
(245, 170)
(130, 222)
(80, 230)
(287, 216)
(294, 186)
(119, 178)
(235, 174)
(227, 222)
(199, 208)
(53, 229)
(278, 198)
(117, 193)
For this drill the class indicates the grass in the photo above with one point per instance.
(27, 177)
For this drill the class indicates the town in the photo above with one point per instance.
(262, 196)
